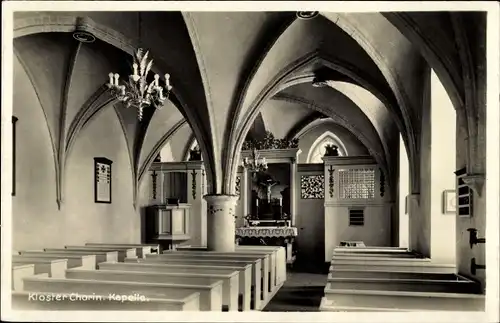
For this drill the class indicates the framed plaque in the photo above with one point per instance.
(449, 202)
(102, 180)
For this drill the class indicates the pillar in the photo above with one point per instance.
(293, 194)
(442, 176)
(404, 185)
(221, 222)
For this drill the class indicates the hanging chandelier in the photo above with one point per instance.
(256, 164)
(136, 92)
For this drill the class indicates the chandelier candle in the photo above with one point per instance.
(137, 92)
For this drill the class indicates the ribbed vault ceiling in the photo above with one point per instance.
(227, 66)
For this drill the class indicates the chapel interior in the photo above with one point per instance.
(249, 161)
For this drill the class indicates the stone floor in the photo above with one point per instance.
(302, 291)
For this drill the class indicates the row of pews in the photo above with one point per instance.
(100, 276)
(395, 279)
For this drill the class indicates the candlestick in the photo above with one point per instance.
(135, 68)
(167, 80)
(111, 82)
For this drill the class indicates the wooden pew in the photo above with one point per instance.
(375, 255)
(372, 250)
(25, 300)
(256, 269)
(101, 256)
(19, 272)
(280, 253)
(142, 249)
(402, 300)
(394, 266)
(273, 264)
(53, 267)
(420, 284)
(210, 294)
(245, 273)
(367, 273)
(266, 269)
(229, 281)
(123, 252)
(380, 260)
(84, 261)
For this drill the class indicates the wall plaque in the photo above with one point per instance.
(102, 180)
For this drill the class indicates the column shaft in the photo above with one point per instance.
(221, 222)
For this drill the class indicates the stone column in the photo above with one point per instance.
(221, 222)
(293, 194)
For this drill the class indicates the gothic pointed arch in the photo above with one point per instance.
(317, 150)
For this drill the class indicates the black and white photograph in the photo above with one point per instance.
(245, 160)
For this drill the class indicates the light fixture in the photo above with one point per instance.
(136, 92)
(306, 15)
(256, 164)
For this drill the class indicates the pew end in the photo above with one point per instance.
(19, 272)
(53, 267)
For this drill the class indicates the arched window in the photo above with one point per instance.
(317, 150)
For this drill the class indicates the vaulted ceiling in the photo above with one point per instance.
(228, 67)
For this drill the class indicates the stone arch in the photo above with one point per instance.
(280, 82)
(327, 135)
(61, 22)
(341, 120)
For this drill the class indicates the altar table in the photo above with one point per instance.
(269, 236)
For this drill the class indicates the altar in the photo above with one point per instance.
(268, 195)
(269, 236)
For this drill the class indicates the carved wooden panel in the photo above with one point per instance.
(312, 186)
(357, 183)
(238, 185)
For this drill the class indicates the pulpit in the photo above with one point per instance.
(177, 211)
(168, 225)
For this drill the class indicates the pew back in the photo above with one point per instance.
(100, 255)
(25, 300)
(210, 294)
(84, 261)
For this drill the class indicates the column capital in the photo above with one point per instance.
(220, 198)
